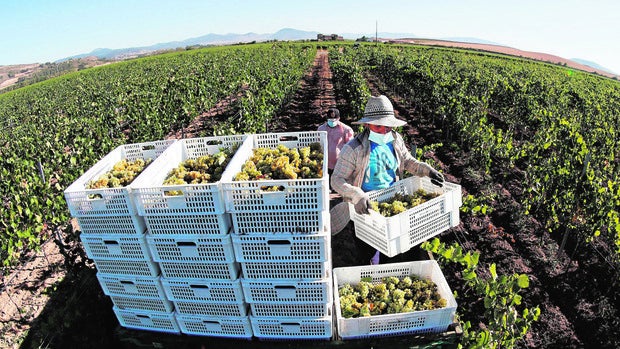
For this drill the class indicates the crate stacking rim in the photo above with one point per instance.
(116, 247)
(287, 291)
(202, 224)
(199, 270)
(208, 298)
(154, 199)
(309, 222)
(292, 329)
(426, 321)
(120, 225)
(282, 247)
(209, 291)
(286, 271)
(159, 305)
(295, 195)
(84, 202)
(127, 268)
(399, 233)
(227, 327)
(147, 320)
(131, 286)
(187, 248)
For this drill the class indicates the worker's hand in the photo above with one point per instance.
(362, 205)
(436, 178)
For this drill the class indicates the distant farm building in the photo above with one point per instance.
(323, 37)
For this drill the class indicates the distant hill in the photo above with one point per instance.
(205, 40)
(592, 64)
(16, 76)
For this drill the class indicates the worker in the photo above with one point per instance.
(372, 160)
(338, 134)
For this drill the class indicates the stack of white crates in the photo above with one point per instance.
(282, 242)
(188, 235)
(113, 235)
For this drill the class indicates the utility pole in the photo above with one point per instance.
(376, 33)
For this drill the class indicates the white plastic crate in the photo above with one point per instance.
(290, 310)
(84, 202)
(131, 286)
(147, 320)
(151, 195)
(282, 247)
(159, 305)
(297, 195)
(199, 271)
(203, 291)
(292, 329)
(116, 246)
(285, 271)
(228, 327)
(211, 224)
(287, 291)
(127, 268)
(399, 233)
(309, 222)
(132, 224)
(426, 321)
(191, 248)
(211, 309)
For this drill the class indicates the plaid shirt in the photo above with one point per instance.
(351, 166)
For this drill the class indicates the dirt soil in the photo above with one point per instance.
(579, 306)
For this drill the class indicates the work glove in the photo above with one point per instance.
(436, 178)
(362, 205)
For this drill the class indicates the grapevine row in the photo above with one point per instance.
(55, 130)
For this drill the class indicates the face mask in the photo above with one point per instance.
(381, 138)
(332, 122)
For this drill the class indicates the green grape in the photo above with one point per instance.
(282, 163)
(121, 174)
(390, 296)
(400, 203)
(201, 170)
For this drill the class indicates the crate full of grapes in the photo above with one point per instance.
(185, 179)
(279, 172)
(103, 190)
(407, 213)
(392, 299)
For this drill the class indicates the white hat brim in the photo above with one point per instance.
(389, 121)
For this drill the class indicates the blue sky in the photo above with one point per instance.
(38, 31)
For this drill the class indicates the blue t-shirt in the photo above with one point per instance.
(381, 171)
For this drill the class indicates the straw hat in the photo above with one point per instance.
(379, 111)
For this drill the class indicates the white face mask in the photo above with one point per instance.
(332, 122)
(380, 138)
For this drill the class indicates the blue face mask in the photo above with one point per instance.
(380, 138)
(332, 122)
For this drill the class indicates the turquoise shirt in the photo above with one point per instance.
(381, 171)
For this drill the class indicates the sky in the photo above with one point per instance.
(39, 31)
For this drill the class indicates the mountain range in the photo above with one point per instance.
(281, 35)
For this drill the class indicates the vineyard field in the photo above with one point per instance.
(534, 147)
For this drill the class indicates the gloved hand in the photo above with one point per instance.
(362, 205)
(436, 178)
